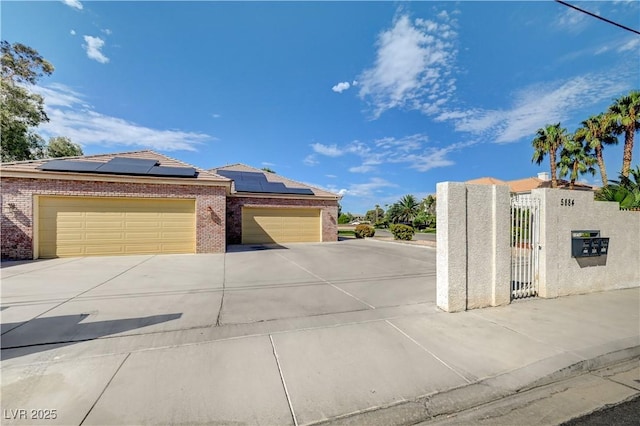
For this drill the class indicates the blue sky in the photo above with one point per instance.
(374, 100)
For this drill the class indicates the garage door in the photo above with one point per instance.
(77, 226)
(274, 225)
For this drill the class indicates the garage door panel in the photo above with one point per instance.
(280, 225)
(77, 226)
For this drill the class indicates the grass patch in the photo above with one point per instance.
(346, 233)
(428, 231)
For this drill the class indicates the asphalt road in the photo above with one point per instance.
(625, 414)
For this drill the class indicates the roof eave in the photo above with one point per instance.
(112, 178)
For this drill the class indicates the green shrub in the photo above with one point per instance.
(402, 232)
(363, 230)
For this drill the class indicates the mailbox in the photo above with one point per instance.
(588, 244)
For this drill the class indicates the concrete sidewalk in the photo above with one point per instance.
(397, 365)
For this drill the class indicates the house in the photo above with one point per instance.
(521, 188)
(144, 202)
(264, 207)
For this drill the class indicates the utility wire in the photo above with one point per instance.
(598, 17)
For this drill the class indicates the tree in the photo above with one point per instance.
(597, 131)
(625, 191)
(345, 218)
(625, 113)
(268, 170)
(549, 140)
(576, 159)
(374, 215)
(21, 109)
(407, 209)
(63, 147)
(428, 204)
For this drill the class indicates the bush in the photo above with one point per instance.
(363, 230)
(402, 232)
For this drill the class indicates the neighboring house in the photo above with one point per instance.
(264, 207)
(521, 188)
(146, 203)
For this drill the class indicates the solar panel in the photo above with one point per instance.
(242, 186)
(257, 182)
(120, 166)
(124, 168)
(301, 191)
(173, 171)
(70, 166)
(141, 162)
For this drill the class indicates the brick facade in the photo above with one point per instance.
(329, 214)
(18, 198)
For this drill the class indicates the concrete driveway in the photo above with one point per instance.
(62, 301)
(295, 335)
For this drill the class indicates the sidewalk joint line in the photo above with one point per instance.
(428, 351)
(327, 282)
(224, 282)
(105, 388)
(284, 384)
(78, 295)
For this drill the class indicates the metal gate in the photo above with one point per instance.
(525, 232)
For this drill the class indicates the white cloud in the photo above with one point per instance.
(71, 116)
(268, 164)
(310, 160)
(107, 31)
(571, 20)
(341, 87)
(328, 150)
(412, 150)
(370, 188)
(73, 3)
(331, 176)
(93, 46)
(632, 44)
(214, 115)
(413, 67)
(538, 105)
(365, 168)
(72, 32)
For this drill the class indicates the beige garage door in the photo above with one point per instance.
(78, 226)
(274, 225)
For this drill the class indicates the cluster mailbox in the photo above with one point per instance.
(588, 243)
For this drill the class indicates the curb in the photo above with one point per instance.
(474, 395)
(401, 244)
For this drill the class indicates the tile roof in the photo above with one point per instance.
(31, 166)
(527, 184)
(273, 177)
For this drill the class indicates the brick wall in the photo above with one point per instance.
(17, 208)
(329, 214)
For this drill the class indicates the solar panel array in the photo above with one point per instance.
(120, 166)
(257, 182)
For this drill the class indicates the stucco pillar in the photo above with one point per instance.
(473, 252)
(451, 252)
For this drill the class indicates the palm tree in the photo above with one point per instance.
(625, 191)
(576, 159)
(549, 140)
(625, 113)
(597, 131)
(408, 208)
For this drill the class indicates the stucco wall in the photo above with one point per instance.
(18, 209)
(561, 274)
(473, 256)
(329, 214)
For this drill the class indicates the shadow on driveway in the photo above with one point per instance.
(37, 335)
